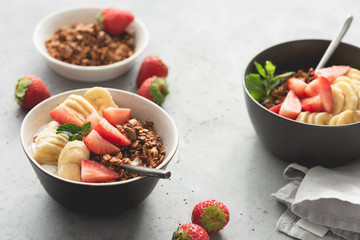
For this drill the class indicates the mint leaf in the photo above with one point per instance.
(270, 69)
(74, 131)
(255, 86)
(85, 128)
(260, 69)
(261, 84)
(284, 75)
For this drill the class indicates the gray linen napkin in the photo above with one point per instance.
(322, 203)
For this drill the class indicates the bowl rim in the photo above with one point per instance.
(266, 109)
(168, 157)
(56, 13)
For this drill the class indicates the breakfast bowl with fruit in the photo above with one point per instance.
(90, 147)
(304, 115)
(91, 44)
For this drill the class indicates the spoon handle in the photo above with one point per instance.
(145, 171)
(335, 42)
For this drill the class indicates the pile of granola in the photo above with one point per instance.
(88, 45)
(146, 149)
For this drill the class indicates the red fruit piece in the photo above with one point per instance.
(114, 21)
(111, 133)
(298, 86)
(29, 91)
(63, 114)
(94, 118)
(151, 66)
(116, 116)
(291, 107)
(155, 89)
(312, 88)
(312, 104)
(189, 231)
(95, 172)
(98, 145)
(211, 214)
(325, 94)
(276, 108)
(331, 73)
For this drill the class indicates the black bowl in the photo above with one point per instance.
(100, 198)
(306, 144)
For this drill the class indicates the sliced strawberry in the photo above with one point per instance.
(291, 107)
(298, 86)
(98, 145)
(312, 104)
(94, 118)
(63, 115)
(276, 108)
(116, 116)
(331, 73)
(325, 94)
(312, 89)
(95, 172)
(111, 133)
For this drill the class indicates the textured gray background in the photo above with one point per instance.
(207, 45)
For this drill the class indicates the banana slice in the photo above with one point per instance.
(357, 116)
(99, 98)
(338, 100)
(69, 164)
(348, 81)
(79, 106)
(311, 118)
(354, 74)
(322, 118)
(351, 99)
(345, 117)
(303, 116)
(48, 144)
(333, 120)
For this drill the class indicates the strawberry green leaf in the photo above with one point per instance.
(180, 234)
(100, 20)
(159, 90)
(21, 88)
(74, 131)
(213, 218)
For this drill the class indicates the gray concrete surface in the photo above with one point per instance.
(207, 45)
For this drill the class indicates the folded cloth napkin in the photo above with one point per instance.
(322, 204)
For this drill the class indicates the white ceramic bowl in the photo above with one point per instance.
(87, 196)
(51, 23)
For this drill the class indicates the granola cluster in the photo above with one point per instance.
(278, 95)
(146, 149)
(88, 45)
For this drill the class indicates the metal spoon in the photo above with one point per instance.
(335, 42)
(145, 171)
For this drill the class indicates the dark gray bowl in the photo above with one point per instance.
(100, 198)
(293, 141)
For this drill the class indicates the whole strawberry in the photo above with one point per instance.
(154, 89)
(151, 66)
(190, 231)
(114, 21)
(29, 91)
(212, 215)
